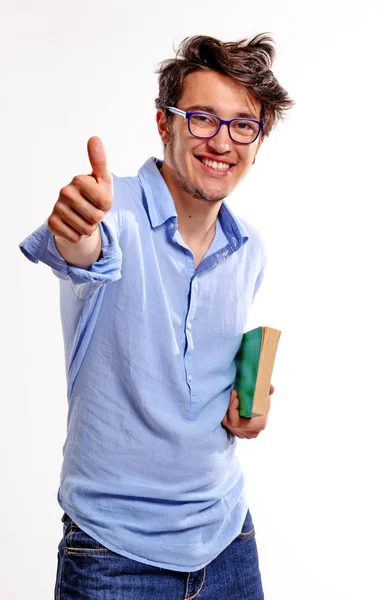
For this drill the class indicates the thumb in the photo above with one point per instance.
(232, 397)
(98, 161)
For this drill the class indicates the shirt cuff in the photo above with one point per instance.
(40, 246)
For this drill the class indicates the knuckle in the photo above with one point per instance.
(78, 180)
(97, 216)
(87, 229)
(64, 192)
(52, 221)
(76, 236)
(104, 203)
(84, 228)
(59, 208)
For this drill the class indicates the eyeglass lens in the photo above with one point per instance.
(242, 130)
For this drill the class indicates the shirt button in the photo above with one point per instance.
(189, 378)
(189, 325)
(172, 225)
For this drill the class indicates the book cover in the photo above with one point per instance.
(254, 365)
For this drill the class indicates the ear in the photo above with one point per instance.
(163, 126)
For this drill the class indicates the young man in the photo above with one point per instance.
(157, 280)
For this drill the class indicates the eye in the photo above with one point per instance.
(244, 126)
(203, 119)
(244, 129)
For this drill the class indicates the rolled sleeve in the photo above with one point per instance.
(40, 246)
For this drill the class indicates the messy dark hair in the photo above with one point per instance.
(248, 62)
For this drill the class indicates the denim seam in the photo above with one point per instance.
(70, 549)
(59, 577)
(248, 534)
(87, 551)
(201, 585)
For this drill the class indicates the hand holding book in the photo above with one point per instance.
(249, 404)
(241, 427)
(254, 365)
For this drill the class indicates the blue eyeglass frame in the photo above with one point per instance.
(188, 114)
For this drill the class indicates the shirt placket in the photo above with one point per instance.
(193, 409)
(194, 405)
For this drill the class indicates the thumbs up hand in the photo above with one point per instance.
(83, 204)
(98, 161)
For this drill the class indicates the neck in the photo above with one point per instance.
(196, 218)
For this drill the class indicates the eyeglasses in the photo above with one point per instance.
(205, 125)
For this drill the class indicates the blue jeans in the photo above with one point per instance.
(88, 571)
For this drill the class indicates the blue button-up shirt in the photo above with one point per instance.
(148, 469)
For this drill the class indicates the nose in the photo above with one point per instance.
(221, 142)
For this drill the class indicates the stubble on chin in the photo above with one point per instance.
(197, 193)
(186, 186)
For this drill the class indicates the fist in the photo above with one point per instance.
(83, 204)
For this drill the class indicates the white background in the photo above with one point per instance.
(75, 69)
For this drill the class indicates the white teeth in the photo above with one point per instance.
(219, 166)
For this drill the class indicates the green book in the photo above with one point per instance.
(254, 365)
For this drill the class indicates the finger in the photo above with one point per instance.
(62, 230)
(243, 435)
(256, 424)
(271, 390)
(232, 397)
(98, 161)
(75, 220)
(88, 211)
(259, 423)
(233, 412)
(88, 198)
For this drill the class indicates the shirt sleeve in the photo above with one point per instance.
(40, 246)
(262, 258)
(258, 281)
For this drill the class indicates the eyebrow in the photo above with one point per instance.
(210, 109)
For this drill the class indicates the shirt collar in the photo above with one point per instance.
(236, 232)
(162, 207)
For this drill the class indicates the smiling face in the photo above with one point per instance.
(198, 166)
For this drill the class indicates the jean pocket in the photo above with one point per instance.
(80, 543)
(248, 529)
